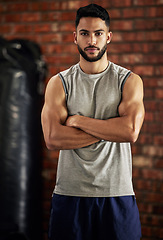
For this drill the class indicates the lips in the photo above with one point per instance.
(91, 49)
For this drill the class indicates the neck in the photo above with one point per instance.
(93, 67)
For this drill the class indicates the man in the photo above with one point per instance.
(92, 112)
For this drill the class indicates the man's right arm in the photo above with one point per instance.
(54, 114)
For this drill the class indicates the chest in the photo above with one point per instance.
(96, 98)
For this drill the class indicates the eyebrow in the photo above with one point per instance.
(84, 30)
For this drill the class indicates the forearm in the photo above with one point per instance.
(113, 130)
(64, 138)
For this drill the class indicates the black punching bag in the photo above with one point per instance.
(22, 74)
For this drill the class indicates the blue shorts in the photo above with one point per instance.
(94, 218)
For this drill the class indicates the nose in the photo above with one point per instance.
(92, 40)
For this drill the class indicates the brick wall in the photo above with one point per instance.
(137, 44)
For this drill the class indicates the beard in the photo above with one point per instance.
(92, 59)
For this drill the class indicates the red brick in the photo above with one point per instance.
(145, 139)
(159, 70)
(158, 140)
(114, 14)
(51, 16)
(159, 2)
(47, 164)
(152, 127)
(136, 172)
(31, 17)
(153, 59)
(12, 18)
(153, 232)
(159, 163)
(52, 37)
(124, 3)
(67, 16)
(154, 36)
(68, 37)
(148, 219)
(37, 6)
(144, 70)
(143, 184)
(147, 47)
(152, 174)
(149, 93)
(39, 28)
(58, 48)
(131, 58)
(151, 105)
(120, 48)
(68, 27)
(67, 5)
(133, 36)
(153, 150)
(144, 207)
(157, 186)
(114, 58)
(3, 7)
(159, 117)
(154, 11)
(61, 59)
(4, 29)
(158, 209)
(160, 106)
(133, 13)
(154, 198)
(122, 25)
(148, 24)
(22, 28)
(54, 154)
(16, 7)
(117, 37)
(105, 3)
(142, 161)
(55, 5)
(159, 93)
(74, 5)
(144, 2)
(151, 82)
(29, 36)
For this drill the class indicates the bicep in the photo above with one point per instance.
(54, 112)
(132, 106)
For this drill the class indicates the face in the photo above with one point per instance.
(92, 37)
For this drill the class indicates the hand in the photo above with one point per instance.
(72, 121)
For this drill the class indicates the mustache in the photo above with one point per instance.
(90, 47)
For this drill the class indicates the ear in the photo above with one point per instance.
(110, 35)
(75, 37)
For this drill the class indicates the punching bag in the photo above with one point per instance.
(22, 74)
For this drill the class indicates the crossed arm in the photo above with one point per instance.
(69, 132)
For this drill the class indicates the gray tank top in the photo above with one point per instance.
(103, 169)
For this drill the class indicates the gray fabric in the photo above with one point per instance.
(103, 169)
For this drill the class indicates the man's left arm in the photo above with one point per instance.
(124, 128)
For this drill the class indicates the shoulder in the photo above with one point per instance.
(133, 86)
(119, 70)
(70, 71)
(134, 80)
(54, 90)
(53, 83)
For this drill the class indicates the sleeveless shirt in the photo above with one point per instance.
(103, 169)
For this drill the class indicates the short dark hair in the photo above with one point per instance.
(92, 10)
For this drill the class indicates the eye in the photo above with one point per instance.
(98, 33)
(84, 34)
